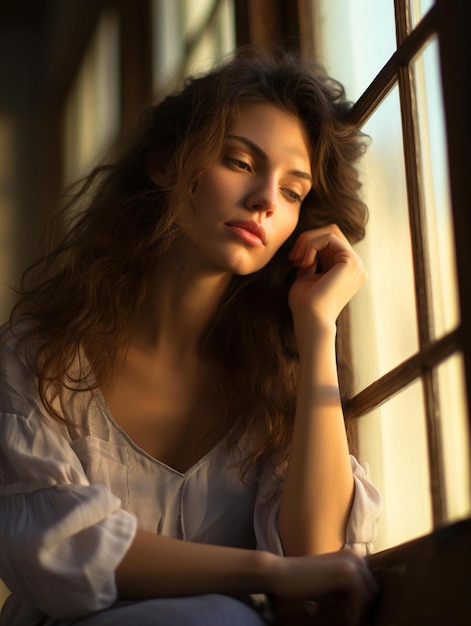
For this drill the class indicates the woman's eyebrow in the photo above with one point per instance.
(260, 153)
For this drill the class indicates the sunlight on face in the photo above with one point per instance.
(247, 204)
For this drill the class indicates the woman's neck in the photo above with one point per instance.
(184, 300)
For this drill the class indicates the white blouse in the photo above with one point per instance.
(71, 498)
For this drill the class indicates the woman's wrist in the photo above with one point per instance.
(315, 332)
(316, 345)
(266, 569)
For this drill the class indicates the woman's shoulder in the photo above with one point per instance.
(18, 383)
(24, 393)
(15, 347)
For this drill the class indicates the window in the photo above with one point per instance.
(189, 36)
(409, 392)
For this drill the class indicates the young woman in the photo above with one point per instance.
(171, 429)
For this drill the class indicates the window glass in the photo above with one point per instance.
(354, 39)
(455, 438)
(383, 313)
(393, 440)
(419, 8)
(436, 191)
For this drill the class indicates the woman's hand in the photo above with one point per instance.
(329, 275)
(344, 574)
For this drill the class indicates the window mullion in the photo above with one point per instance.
(417, 217)
(387, 77)
(403, 374)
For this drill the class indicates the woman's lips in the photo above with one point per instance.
(249, 232)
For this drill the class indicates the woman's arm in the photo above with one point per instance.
(156, 566)
(161, 566)
(319, 486)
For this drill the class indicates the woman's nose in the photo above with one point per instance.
(264, 198)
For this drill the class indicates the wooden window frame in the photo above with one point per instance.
(422, 365)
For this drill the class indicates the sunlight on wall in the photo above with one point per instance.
(92, 114)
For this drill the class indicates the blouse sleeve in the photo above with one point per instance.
(60, 537)
(361, 525)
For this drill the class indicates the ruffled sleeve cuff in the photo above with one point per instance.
(66, 569)
(365, 512)
(362, 522)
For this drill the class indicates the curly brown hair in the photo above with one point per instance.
(85, 294)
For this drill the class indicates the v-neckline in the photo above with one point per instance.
(129, 440)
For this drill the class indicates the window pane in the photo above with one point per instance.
(436, 191)
(384, 329)
(419, 8)
(392, 441)
(455, 438)
(354, 39)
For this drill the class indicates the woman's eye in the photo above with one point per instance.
(241, 165)
(292, 195)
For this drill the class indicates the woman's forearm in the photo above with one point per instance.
(157, 566)
(319, 486)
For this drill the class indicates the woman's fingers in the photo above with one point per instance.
(361, 589)
(304, 240)
(310, 576)
(328, 245)
(342, 576)
(329, 273)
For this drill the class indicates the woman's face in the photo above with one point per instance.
(247, 204)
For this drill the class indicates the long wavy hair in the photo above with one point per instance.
(85, 295)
